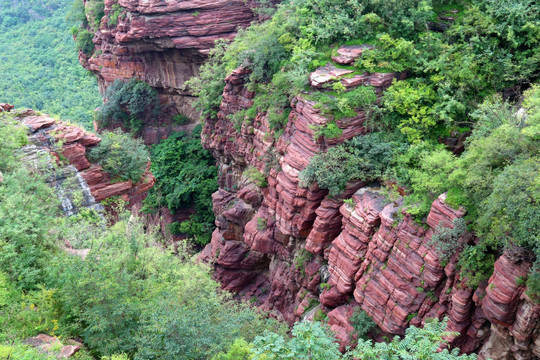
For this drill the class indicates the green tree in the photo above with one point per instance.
(129, 102)
(121, 156)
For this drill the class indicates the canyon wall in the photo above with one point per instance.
(162, 43)
(293, 250)
(296, 252)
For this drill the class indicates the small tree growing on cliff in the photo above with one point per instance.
(120, 155)
(132, 103)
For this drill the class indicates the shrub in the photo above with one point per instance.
(180, 119)
(113, 17)
(424, 343)
(83, 39)
(256, 176)
(446, 240)
(121, 156)
(28, 208)
(362, 158)
(132, 103)
(13, 138)
(344, 104)
(476, 265)
(95, 10)
(362, 323)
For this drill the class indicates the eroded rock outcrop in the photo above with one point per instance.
(292, 248)
(68, 146)
(162, 43)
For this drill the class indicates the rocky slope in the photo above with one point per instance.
(162, 43)
(67, 145)
(293, 250)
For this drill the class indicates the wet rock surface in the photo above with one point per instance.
(60, 150)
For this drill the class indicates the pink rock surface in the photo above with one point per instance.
(347, 55)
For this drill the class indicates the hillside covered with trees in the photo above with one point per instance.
(38, 61)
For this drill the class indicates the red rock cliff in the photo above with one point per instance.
(162, 43)
(277, 244)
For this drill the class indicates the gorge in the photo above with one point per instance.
(377, 159)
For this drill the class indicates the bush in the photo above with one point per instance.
(121, 156)
(344, 104)
(130, 296)
(83, 39)
(475, 264)
(256, 176)
(363, 158)
(446, 240)
(362, 323)
(28, 209)
(132, 103)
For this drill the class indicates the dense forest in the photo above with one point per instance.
(38, 61)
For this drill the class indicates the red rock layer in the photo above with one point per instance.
(73, 143)
(164, 44)
(272, 242)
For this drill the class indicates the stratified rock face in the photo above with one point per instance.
(277, 244)
(163, 43)
(68, 145)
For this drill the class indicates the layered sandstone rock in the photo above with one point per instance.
(294, 249)
(69, 145)
(163, 44)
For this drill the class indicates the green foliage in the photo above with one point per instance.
(302, 257)
(476, 265)
(261, 224)
(362, 158)
(427, 171)
(120, 155)
(39, 64)
(259, 178)
(186, 176)
(27, 211)
(94, 10)
(180, 119)
(313, 340)
(209, 85)
(412, 101)
(328, 131)
(132, 297)
(344, 104)
(418, 344)
(446, 240)
(131, 103)
(310, 340)
(20, 351)
(13, 137)
(362, 323)
(113, 17)
(83, 39)
(239, 350)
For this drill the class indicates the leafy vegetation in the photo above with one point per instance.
(38, 61)
(128, 298)
(362, 323)
(455, 81)
(186, 176)
(120, 155)
(314, 341)
(129, 103)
